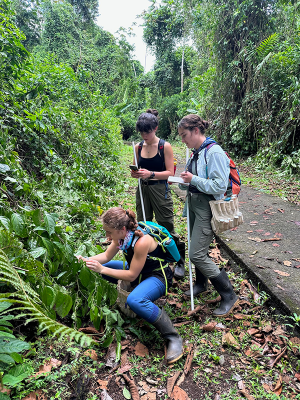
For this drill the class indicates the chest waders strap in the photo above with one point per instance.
(162, 269)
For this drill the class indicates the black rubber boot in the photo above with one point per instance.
(174, 347)
(200, 285)
(179, 271)
(228, 298)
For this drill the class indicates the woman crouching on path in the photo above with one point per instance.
(147, 278)
(208, 180)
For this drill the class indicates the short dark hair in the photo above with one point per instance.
(147, 121)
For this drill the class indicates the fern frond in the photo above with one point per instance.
(267, 45)
(31, 306)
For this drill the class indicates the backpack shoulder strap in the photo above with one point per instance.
(161, 149)
(206, 150)
(140, 148)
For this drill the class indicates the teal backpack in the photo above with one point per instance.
(163, 237)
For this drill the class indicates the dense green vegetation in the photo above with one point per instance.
(69, 93)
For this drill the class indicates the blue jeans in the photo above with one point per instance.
(141, 299)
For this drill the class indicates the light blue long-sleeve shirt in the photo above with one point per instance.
(217, 171)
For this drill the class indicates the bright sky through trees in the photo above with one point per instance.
(119, 13)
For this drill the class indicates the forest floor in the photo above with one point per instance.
(254, 353)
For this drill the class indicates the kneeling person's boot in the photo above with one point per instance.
(228, 298)
(179, 271)
(201, 284)
(174, 346)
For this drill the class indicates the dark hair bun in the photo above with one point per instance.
(152, 111)
(205, 123)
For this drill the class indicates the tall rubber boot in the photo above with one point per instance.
(179, 271)
(174, 346)
(228, 298)
(201, 284)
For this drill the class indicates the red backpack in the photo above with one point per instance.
(234, 184)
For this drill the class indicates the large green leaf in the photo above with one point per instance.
(85, 276)
(49, 223)
(6, 359)
(36, 217)
(39, 251)
(18, 224)
(16, 375)
(5, 222)
(48, 296)
(49, 246)
(10, 345)
(63, 304)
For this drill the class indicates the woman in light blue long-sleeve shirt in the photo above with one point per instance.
(207, 173)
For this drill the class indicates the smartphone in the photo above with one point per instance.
(133, 167)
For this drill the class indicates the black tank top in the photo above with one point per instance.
(155, 163)
(151, 267)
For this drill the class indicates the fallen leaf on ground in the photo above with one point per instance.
(278, 388)
(179, 394)
(141, 350)
(287, 263)
(171, 382)
(280, 287)
(48, 366)
(275, 245)
(240, 316)
(92, 354)
(297, 376)
(281, 210)
(282, 273)
(255, 239)
(267, 387)
(102, 384)
(209, 327)
(279, 331)
(230, 340)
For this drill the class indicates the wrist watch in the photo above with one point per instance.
(152, 175)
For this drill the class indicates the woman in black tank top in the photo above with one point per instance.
(156, 163)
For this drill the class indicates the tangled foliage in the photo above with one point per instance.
(59, 161)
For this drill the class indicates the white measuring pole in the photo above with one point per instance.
(140, 187)
(189, 245)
